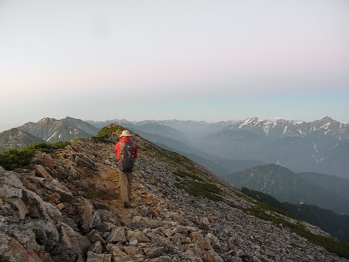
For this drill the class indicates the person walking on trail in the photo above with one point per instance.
(126, 153)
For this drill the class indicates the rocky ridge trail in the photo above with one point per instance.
(67, 208)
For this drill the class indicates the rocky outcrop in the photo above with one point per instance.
(67, 208)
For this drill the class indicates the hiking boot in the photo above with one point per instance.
(127, 205)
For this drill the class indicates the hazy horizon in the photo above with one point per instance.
(173, 119)
(188, 60)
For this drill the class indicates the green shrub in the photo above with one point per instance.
(199, 188)
(184, 174)
(13, 158)
(105, 134)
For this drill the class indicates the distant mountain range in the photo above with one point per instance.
(52, 130)
(320, 146)
(46, 130)
(293, 161)
(16, 138)
(324, 191)
(64, 206)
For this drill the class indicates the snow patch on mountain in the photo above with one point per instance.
(53, 135)
(325, 126)
(317, 160)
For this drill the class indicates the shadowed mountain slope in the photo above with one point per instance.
(337, 225)
(16, 138)
(286, 186)
(334, 184)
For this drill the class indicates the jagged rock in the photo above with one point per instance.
(214, 241)
(117, 235)
(118, 254)
(52, 211)
(10, 185)
(163, 259)
(143, 222)
(204, 223)
(94, 236)
(106, 216)
(72, 246)
(55, 197)
(93, 257)
(96, 248)
(137, 235)
(85, 213)
(154, 252)
(10, 249)
(195, 236)
(95, 220)
(60, 206)
(47, 233)
(56, 187)
(36, 206)
(122, 257)
(212, 256)
(204, 244)
(131, 250)
(22, 208)
(166, 223)
(41, 171)
(43, 159)
(69, 221)
(189, 256)
(85, 161)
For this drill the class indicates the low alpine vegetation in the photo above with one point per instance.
(196, 186)
(109, 134)
(13, 158)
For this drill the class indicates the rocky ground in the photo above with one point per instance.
(67, 208)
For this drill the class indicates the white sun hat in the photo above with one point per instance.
(125, 133)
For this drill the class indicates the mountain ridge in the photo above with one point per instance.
(16, 138)
(53, 130)
(46, 130)
(65, 207)
(318, 146)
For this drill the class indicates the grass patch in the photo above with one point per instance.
(173, 157)
(199, 188)
(184, 174)
(109, 134)
(13, 158)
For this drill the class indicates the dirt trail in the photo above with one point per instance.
(108, 175)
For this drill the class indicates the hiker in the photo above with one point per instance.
(126, 153)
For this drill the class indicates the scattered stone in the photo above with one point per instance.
(46, 218)
(93, 257)
(41, 171)
(117, 235)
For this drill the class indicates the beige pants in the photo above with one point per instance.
(126, 186)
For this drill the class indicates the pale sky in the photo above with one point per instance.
(188, 60)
